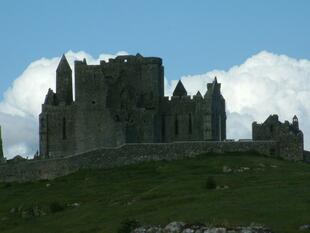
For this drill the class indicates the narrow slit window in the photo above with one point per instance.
(190, 123)
(163, 127)
(176, 125)
(271, 128)
(64, 129)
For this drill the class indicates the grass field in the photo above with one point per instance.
(271, 192)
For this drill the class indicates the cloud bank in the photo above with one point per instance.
(264, 84)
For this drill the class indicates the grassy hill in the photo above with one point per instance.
(267, 191)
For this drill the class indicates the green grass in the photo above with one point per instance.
(160, 192)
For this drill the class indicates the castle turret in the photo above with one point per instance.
(295, 122)
(216, 113)
(64, 82)
(1, 149)
(213, 89)
(50, 98)
(179, 90)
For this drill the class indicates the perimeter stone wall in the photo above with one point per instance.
(32, 170)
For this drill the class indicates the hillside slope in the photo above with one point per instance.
(258, 189)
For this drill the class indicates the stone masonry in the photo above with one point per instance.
(133, 153)
(288, 135)
(120, 116)
(122, 101)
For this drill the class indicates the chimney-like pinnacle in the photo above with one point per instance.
(199, 94)
(63, 64)
(179, 90)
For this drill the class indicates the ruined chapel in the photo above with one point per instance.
(122, 101)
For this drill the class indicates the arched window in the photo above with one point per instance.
(64, 128)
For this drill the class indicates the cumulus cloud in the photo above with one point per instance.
(22, 102)
(20, 134)
(264, 84)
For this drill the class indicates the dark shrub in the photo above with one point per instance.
(56, 207)
(7, 185)
(210, 184)
(128, 225)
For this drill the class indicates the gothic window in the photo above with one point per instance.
(176, 125)
(64, 129)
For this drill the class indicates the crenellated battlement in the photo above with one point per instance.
(118, 62)
(131, 59)
(192, 99)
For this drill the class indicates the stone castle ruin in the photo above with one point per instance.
(288, 135)
(122, 101)
(120, 116)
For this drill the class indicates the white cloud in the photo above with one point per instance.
(22, 102)
(264, 84)
(20, 134)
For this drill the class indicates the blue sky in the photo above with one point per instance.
(191, 36)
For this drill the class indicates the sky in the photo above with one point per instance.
(258, 49)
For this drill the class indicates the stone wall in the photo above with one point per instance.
(201, 118)
(124, 155)
(306, 156)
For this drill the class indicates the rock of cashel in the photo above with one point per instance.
(120, 116)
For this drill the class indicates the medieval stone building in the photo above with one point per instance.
(288, 135)
(122, 101)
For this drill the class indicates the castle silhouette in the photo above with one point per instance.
(120, 116)
(122, 101)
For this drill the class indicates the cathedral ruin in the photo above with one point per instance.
(120, 116)
(288, 135)
(122, 101)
